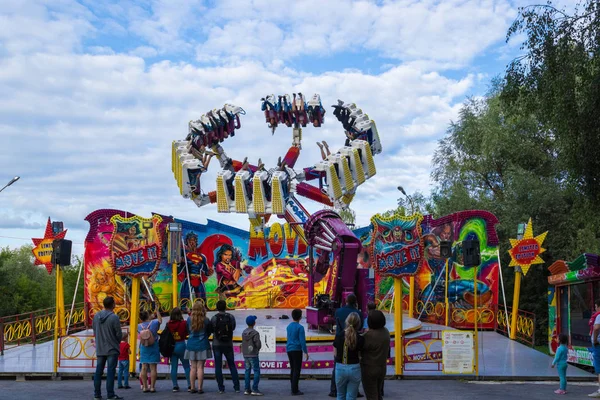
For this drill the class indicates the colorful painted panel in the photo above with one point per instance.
(257, 270)
(136, 245)
(397, 244)
(466, 225)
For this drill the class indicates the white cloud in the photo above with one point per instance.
(442, 32)
(144, 52)
(91, 127)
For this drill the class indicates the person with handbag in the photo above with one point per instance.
(149, 350)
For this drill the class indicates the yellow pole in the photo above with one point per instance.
(61, 300)
(174, 295)
(515, 305)
(134, 316)
(56, 320)
(411, 297)
(446, 301)
(475, 319)
(399, 337)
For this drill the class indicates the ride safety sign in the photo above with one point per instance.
(457, 352)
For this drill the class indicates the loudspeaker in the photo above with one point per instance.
(445, 249)
(471, 254)
(57, 227)
(61, 252)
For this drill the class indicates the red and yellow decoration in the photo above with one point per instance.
(43, 247)
(526, 251)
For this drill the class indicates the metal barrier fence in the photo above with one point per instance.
(526, 323)
(424, 352)
(37, 326)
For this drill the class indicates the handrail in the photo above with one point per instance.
(37, 326)
(526, 324)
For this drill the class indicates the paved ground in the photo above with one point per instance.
(313, 389)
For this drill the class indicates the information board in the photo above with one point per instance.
(267, 338)
(457, 352)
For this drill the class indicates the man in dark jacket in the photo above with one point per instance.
(107, 331)
(224, 324)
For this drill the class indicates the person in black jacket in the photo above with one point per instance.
(346, 350)
(374, 355)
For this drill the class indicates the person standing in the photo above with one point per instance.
(346, 350)
(149, 353)
(224, 324)
(295, 346)
(178, 328)
(340, 319)
(107, 333)
(125, 351)
(375, 352)
(560, 361)
(596, 347)
(198, 346)
(250, 348)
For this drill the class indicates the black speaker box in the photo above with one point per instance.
(445, 249)
(61, 252)
(471, 254)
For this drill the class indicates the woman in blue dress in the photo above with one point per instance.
(198, 347)
(149, 355)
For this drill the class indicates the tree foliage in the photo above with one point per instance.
(25, 287)
(528, 148)
(558, 80)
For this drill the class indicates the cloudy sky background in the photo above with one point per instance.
(93, 93)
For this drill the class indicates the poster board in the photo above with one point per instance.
(457, 352)
(267, 338)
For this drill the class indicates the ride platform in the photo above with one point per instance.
(499, 357)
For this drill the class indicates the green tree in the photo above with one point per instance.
(23, 287)
(557, 79)
(496, 157)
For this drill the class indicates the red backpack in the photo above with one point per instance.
(592, 320)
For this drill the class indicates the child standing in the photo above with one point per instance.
(560, 360)
(250, 347)
(124, 352)
(296, 345)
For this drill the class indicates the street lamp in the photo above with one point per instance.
(410, 200)
(13, 180)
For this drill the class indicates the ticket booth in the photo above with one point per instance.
(573, 287)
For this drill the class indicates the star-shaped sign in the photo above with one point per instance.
(526, 251)
(43, 247)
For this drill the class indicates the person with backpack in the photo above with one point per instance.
(172, 345)
(149, 351)
(198, 346)
(250, 348)
(224, 325)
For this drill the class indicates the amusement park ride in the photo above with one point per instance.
(260, 192)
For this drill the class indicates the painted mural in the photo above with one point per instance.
(253, 270)
(268, 268)
(417, 250)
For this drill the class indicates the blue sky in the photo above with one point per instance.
(95, 91)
